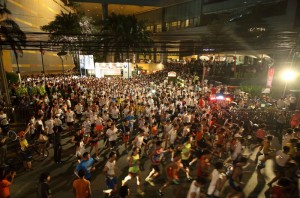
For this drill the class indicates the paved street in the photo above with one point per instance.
(62, 177)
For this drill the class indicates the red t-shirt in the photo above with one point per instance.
(4, 188)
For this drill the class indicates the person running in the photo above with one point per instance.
(172, 170)
(82, 186)
(235, 180)
(134, 169)
(110, 175)
(43, 189)
(93, 140)
(112, 135)
(86, 164)
(155, 158)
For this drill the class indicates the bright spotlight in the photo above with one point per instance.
(288, 75)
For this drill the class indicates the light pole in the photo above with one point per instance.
(60, 54)
(288, 76)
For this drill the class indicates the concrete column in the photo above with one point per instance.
(104, 11)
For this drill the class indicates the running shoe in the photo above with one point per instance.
(160, 193)
(140, 192)
(150, 181)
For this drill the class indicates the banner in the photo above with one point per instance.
(270, 77)
(86, 61)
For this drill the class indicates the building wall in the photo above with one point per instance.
(30, 15)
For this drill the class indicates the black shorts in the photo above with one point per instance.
(112, 143)
(70, 123)
(185, 163)
(155, 167)
(78, 115)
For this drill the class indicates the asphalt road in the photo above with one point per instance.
(62, 176)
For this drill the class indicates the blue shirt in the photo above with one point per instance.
(85, 165)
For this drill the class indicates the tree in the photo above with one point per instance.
(73, 32)
(10, 35)
(125, 34)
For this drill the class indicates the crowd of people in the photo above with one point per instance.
(176, 128)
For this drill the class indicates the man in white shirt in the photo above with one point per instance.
(115, 113)
(281, 159)
(112, 135)
(109, 172)
(70, 117)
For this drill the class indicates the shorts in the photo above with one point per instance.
(78, 116)
(145, 141)
(110, 182)
(70, 123)
(234, 186)
(155, 167)
(185, 163)
(112, 143)
(171, 146)
(26, 156)
(93, 143)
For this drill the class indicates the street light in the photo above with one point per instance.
(60, 54)
(287, 76)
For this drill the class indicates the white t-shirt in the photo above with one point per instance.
(70, 116)
(49, 126)
(112, 134)
(194, 189)
(111, 167)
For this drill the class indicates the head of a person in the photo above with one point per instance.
(290, 131)
(269, 137)
(112, 156)
(286, 149)
(86, 156)
(243, 161)
(44, 177)
(81, 173)
(263, 126)
(21, 135)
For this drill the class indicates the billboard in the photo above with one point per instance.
(86, 61)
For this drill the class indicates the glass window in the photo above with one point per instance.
(187, 23)
(158, 28)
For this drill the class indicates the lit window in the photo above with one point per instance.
(187, 23)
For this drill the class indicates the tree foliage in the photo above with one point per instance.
(73, 31)
(11, 32)
(125, 34)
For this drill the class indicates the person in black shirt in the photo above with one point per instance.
(57, 146)
(126, 133)
(43, 189)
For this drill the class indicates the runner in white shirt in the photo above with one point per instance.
(109, 171)
(70, 115)
(112, 135)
